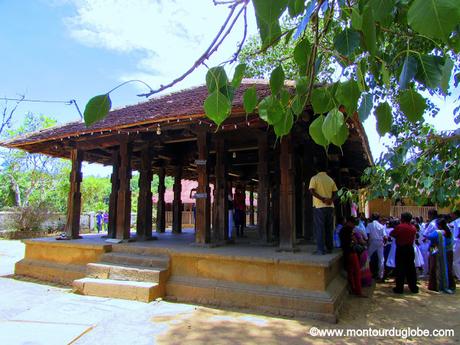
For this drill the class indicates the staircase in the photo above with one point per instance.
(127, 272)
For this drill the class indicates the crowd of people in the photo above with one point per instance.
(407, 248)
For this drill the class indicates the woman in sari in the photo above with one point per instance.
(439, 273)
(366, 274)
(349, 244)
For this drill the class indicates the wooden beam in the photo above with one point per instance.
(124, 193)
(114, 195)
(161, 206)
(177, 202)
(144, 201)
(74, 200)
(287, 195)
(203, 200)
(263, 189)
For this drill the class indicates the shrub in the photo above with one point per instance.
(29, 218)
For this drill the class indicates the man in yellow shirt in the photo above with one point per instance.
(323, 189)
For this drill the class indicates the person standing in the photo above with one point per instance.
(99, 219)
(455, 224)
(105, 217)
(323, 189)
(404, 234)
(239, 204)
(377, 239)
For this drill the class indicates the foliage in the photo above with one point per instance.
(372, 53)
(421, 165)
(95, 193)
(28, 218)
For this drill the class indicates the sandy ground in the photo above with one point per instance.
(32, 313)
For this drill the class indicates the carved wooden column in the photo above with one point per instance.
(287, 195)
(307, 197)
(203, 202)
(124, 193)
(275, 210)
(221, 194)
(177, 202)
(263, 188)
(72, 228)
(144, 201)
(251, 205)
(161, 207)
(114, 195)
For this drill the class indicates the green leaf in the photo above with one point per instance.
(384, 118)
(361, 73)
(238, 75)
(368, 30)
(412, 104)
(217, 107)
(302, 52)
(301, 85)
(356, 19)
(434, 18)
(322, 100)
(277, 80)
(284, 126)
(429, 71)
(228, 91)
(348, 94)
(341, 137)
(216, 78)
(382, 10)
(446, 74)
(316, 131)
(332, 124)
(347, 41)
(365, 107)
(296, 7)
(408, 71)
(250, 99)
(285, 96)
(97, 108)
(267, 15)
(385, 75)
(271, 110)
(298, 104)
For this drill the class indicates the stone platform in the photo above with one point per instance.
(242, 275)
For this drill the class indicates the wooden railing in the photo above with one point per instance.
(416, 211)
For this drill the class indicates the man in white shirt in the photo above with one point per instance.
(456, 233)
(377, 238)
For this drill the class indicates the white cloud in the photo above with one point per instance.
(166, 36)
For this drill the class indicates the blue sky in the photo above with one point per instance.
(75, 49)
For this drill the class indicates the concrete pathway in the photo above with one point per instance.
(36, 313)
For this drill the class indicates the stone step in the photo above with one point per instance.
(135, 249)
(106, 270)
(129, 290)
(130, 259)
(50, 271)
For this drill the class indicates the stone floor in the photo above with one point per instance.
(35, 313)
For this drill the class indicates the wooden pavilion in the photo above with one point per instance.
(170, 135)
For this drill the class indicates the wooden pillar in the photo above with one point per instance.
(275, 211)
(114, 195)
(287, 195)
(221, 192)
(251, 205)
(298, 196)
(307, 207)
(74, 200)
(124, 193)
(161, 207)
(203, 202)
(144, 201)
(177, 202)
(263, 188)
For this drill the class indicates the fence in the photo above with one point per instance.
(416, 211)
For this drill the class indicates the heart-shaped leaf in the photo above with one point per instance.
(302, 52)
(412, 104)
(250, 99)
(217, 107)
(408, 71)
(332, 124)
(284, 126)
(347, 41)
(365, 107)
(238, 75)
(384, 118)
(348, 94)
(277, 80)
(271, 110)
(316, 131)
(341, 137)
(322, 100)
(97, 108)
(216, 78)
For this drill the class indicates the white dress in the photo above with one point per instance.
(391, 260)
